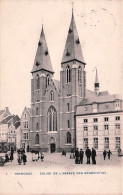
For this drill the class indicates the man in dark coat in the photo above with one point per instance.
(93, 155)
(12, 154)
(104, 154)
(76, 156)
(81, 156)
(88, 155)
(24, 158)
(109, 153)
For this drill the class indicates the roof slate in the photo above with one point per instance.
(42, 59)
(72, 48)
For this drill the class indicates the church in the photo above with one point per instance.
(64, 114)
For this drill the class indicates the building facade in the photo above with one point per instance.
(99, 123)
(25, 129)
(57, 106)
(8, 132)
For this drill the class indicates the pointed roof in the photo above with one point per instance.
(96, 77)
(72, 48)
(42, 59)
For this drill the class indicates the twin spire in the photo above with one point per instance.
(42, 59)
(72, 50)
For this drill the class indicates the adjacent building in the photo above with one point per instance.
(25, 129)
(4, 113)
(8, 130)
(99, 121)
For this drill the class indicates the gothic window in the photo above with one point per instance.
(68, 124)
(47, 80)
(51, 96)
(37, 139)
(37, 82)
(68, 107)
(68, 138)
(79, 74)
(52, 119)
(37, 111)
(37, 126)
(68, 74)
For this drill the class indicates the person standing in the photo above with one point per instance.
(81, 156)
(88, 155)
(93, 155)
(104, 154)
(76, 156)
(24, 158)
(109, 153)
(12, 154)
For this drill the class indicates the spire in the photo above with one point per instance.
(96, 84)
(72, 50)
(96, 78)
(42, 59)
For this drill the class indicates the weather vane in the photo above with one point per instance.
(72, 5)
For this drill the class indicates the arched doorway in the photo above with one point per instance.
(52, 145)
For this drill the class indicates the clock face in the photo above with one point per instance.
(106, 106)
(85, 108)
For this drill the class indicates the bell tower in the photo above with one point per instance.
(42, 73)
(73, 83)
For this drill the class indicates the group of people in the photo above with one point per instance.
(9, 156)
(21, 156)
(89, 154)
(105, 153)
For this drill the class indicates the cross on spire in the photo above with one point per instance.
(72, 5)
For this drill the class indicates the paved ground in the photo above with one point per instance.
(60, 175)
(55, 160)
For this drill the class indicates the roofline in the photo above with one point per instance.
(98, 103)
(42, 69)
(96, 113)
(73, 60)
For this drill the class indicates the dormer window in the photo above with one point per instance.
(95, 107)
(39, 43)
(46, 52)
(70, 30)
(37, 63)
(67, 53)
(117, 105)
(77, 41)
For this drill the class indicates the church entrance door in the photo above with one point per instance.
(52, 148)
(52, 145)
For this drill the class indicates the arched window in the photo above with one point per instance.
(37, 82)
(37, 139)
(68, 138)
(51, 96)
(68, 74)
(79, 74)
(52, 119)
(68, 107)
(47, 80)
(37, 111)
(37, 126)
(68, 124)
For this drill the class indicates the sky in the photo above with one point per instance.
(99, 29)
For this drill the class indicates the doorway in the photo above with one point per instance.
(52, 148)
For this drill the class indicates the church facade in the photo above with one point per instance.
(54, 104)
